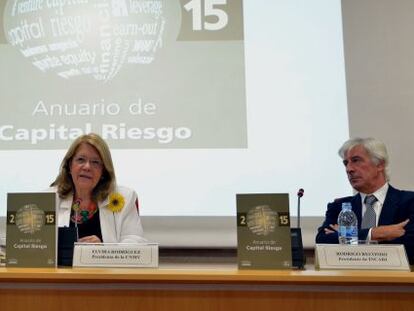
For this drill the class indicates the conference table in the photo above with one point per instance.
(203, 286)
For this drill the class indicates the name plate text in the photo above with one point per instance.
(365, 256)
(115, 255)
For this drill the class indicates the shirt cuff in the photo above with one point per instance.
(369, 235)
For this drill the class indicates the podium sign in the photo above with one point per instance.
(31, 230)
(263, 231)
(365, 256)
(143, 255)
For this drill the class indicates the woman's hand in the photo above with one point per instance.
(90, 239)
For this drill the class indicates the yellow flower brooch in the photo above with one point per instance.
(116, 202)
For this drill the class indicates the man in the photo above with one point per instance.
(385, 214)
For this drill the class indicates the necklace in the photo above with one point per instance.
(82, 214)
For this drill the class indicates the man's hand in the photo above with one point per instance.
(389, 232)
(333, 228)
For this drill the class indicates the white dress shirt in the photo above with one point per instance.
(380, 194)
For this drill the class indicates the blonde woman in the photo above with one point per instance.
(89, 199)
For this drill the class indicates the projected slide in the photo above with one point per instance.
(199, 100)
(143, 74)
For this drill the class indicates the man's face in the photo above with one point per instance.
(363, 174)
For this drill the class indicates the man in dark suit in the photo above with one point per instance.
(390, 211)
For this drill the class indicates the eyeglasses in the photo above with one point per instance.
(81, 160)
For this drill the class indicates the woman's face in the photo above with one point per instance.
(86, 168)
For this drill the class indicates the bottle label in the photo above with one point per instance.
(348, 231)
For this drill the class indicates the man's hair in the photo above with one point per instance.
(376, 150)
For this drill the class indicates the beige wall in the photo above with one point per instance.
(379, 57)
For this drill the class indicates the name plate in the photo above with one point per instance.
(144, 255)
(365, 256)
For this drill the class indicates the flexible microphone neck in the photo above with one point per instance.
(76, 207)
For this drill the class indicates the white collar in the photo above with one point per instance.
(380, 194)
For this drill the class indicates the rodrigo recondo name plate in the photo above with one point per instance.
(144, 255)
(362, 257)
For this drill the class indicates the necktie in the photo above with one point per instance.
(370, 218)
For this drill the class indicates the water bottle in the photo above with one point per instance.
(347, 225)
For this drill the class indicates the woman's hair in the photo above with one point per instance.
(375, 148)
(106, 184)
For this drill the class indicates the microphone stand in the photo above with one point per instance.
(77, 204)
(298, 217)
(298, 255)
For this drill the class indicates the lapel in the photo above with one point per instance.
(390, 207)
(108, 225)
(64, 209)
(357, 207)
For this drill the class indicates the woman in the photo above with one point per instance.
(89, 198)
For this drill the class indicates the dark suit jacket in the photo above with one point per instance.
(398, 206)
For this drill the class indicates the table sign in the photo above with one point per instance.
(263, 231)
(2, 250)
(31, 230)
(366, 257)
(143, 255)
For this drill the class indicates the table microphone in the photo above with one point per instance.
(299, 194)
(298, 255)
(76, 207)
